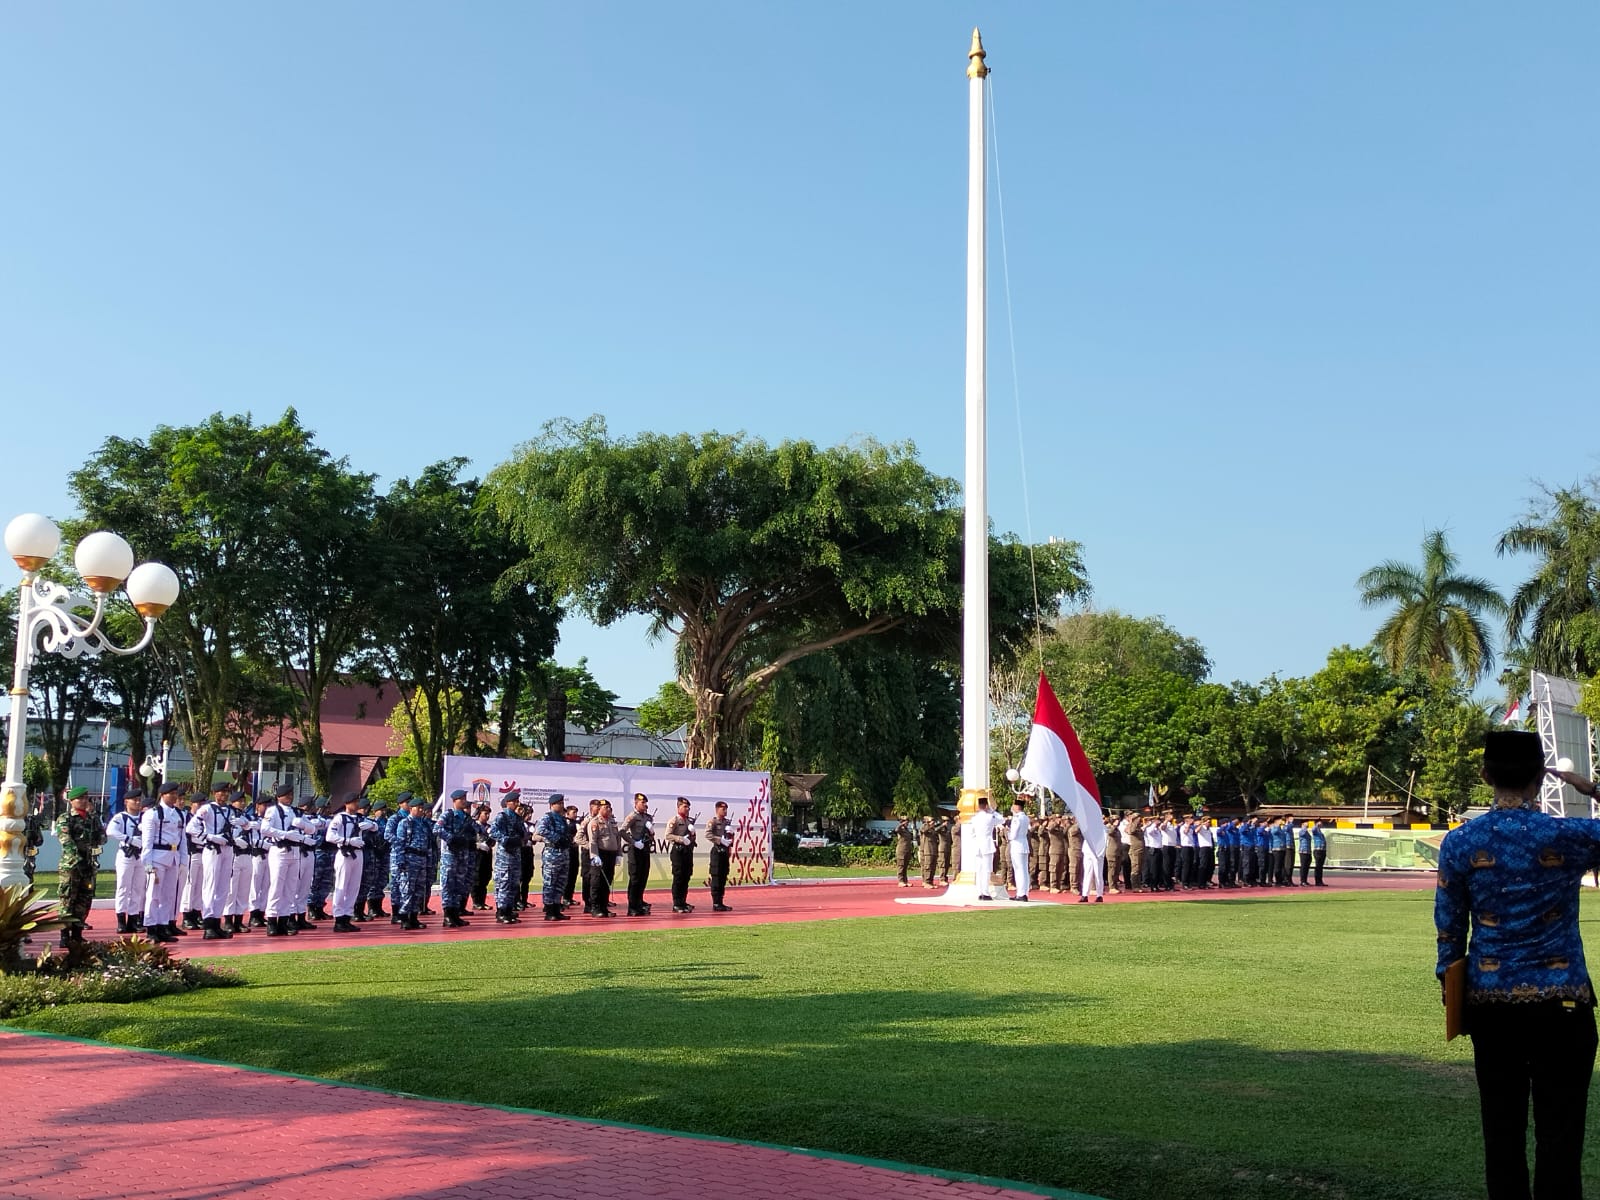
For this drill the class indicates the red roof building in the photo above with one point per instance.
(356, 739)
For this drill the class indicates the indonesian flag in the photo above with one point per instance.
(1055, 759)
(1514, 713)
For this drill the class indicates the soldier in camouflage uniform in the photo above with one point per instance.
(458, 839)
(374, 864)
(414, 841)
(81, 839)
(555, 831)
(508, 832)
(391, 837)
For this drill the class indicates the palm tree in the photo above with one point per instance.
(1437, 625)
(1555, 614)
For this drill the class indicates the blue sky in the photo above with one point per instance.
(1292, 283)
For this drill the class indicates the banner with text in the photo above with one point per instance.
(748, 793)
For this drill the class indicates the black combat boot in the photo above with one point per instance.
(135, 922)
(275, 927)
(300, 922)
(236, 922)
(451, 921)
(175, 931)
(122, 922)
(191, 919)
(409, 921)
(344, 925)
(214, 930)
(258, 919)
(375, 909)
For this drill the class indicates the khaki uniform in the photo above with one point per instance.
(929, 849)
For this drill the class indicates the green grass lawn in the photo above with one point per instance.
(1253, 1048)
(782, 871)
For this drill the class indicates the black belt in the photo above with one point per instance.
(219, 849)
(160, 846)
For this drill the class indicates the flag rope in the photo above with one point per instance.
(1016, 386)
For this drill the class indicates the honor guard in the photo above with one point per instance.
(639, 839)
(719, 835)
(209, 828)
(348, 841)
(160, 839)
(81, 838)
(123, 829)
(508, 832)
(555, 832)
(458, 864)
(680, 853)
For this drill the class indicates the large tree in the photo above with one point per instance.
(1555, 613)
(448, 630)
(754, 556)
(223, 503)
(1437, 623)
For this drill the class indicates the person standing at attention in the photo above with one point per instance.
(1515, 874)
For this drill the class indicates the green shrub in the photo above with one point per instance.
(128, 969)
(784, 845)
(836, 856)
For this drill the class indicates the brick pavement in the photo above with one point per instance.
(91, 1121)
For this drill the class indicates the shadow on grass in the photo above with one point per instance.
(1013, 1086)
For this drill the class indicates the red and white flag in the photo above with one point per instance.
(1514, 713)
(1055, 759)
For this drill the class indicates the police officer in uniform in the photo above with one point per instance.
(680, 840)
(719, 833)
(638, 837)
(602, 841)
(947, 849)
(929, 850)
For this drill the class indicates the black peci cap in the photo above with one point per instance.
(1512, 757)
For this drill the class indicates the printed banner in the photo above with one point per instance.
(748, 793)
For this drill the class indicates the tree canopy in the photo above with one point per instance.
(753, 556)
(1437, 624)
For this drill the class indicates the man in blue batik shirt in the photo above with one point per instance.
(1515, 873)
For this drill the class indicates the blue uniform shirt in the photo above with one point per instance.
(1516, 873)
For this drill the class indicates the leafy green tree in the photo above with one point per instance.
(1245, 737)
(563, 694)
(1136, 730)
(1555, 612)
(1437, 624)
(754, 556)
(666, 711)
(220, 502)
(913, 795)
(404, 771)
(845, 801)
(1450, 746)
(447, 627)
(36, 774)
(1355, 713)
(1085, 647)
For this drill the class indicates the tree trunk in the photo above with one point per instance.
(510, 697)
(311, 748)
(555, 723)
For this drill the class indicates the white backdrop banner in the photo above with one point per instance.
(748, 793)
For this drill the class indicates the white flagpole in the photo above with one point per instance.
(975, 591)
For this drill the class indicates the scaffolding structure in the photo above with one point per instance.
(1564, 732)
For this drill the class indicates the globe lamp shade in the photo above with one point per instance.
(104, 560)
(32, 540)
(152, 587)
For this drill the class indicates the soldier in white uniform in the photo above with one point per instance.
(1017, 836)
(160, 854)
(244, 863)
(983, 825)
(260, 869)
(192, 875)
(209, 829)
(310, 827)
(346, 835)
(281, 831)
(124, 830)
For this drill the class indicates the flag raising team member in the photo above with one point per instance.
(1055, 759)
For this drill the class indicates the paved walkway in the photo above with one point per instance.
(90, 1121)
(805, 901)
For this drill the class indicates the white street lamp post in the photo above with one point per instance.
(50, 620)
